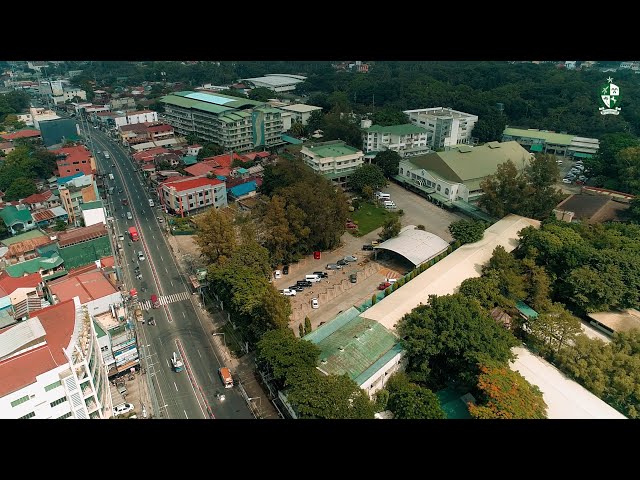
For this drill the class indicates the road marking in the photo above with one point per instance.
(168, 365)
(183, 314)
(174, 384)
(185, 414)
(171, 282)
(165, 269)
(199, 353)
(209, 375)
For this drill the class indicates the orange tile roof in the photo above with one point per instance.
(22, 370)
(200, 168)
(107, 262)
(18, 248)
(21, 134)
(225, 160)
(88, 286)
(81, 234)
(9, 284)
(38, 197)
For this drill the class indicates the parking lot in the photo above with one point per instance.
(336, 293)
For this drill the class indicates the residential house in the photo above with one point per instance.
(38, 201)
(73, 160)
(24, 133)
(50, 216)
(17, 219)
(243, 191)
(7, 147)
(193, 150)
(25, 294)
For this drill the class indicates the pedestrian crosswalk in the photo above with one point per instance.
(165, 300)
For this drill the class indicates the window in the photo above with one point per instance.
(52, 386)
(20, 400)
(28, 415)
(438, 188)
(59, 401)
(446, 191)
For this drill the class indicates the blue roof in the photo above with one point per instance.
(526, 310)
(242, 170)
(221, 177)
(244, 188)
(62, 180)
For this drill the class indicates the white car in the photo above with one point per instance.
(288, 292)
(314, 303)
(140, 255)
(122, 409)
(559, 162)
(120, 237)
(566, 180)
(277, 274)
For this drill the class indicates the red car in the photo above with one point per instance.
(384, 286)
(351, 225)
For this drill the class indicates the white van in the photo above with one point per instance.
(312, 278)
(106, 154)
(389, 204)
(383, 196)
(151, 204)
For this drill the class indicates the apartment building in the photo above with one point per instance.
(145, 132)
(131, 118)
(75, 191)
(189, 195)
(407, 140)
(334, 160)
(73, 160)
(445, 127)
(51, 367)
(236, 124)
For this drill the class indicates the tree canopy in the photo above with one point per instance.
(467, 231)
(388, 161)
(411, 401)
(216, 236)
(367, 175)
(391, 227)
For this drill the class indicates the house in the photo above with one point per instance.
(140, 133)
(170, 159)
(148, 155)
(50, 216)
(243, 191)
(25, 133)
(24, 294)
(189, 195)
(456, 174)
(333, 160)
(17, 219)
(7, 147)
(41, 200)
(24, 245)
(73, 160)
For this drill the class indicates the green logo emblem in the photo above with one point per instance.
(610, 96)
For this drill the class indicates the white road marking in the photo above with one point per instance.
(174, 384)
(210, 378)
(168, 365)
(199, 353)
(185, 414)
(165, 269)
(184, 315)
(171, 282)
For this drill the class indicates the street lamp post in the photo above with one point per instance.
(223, 338)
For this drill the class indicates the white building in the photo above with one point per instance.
(51, 367)
(408, 140)
(92, 213)
(27, 118)
(39, 114)
(140, 116)
(300, 112)
(334, 160)
(277, 82)
(69, 94)
(445, 127)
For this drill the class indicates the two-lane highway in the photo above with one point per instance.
(193, 392)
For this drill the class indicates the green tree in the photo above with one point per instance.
(261, 94)
(210, 150)
(232, 92)
(367, 175)
(389, 116)
(4, 231)
(391, 228)
(489, 128)
(60, 226)
(594, 290)
(297, 129)
(505, 192)
(447, 338)
(315, 395)
(554, 329)
(505, 269)
(485, 290)
(388, 161)
(307, 325)
(541, 174)
(467, 231)
(279, 352)
(504, 394)
(20, 188)
(316, 120)
(215, 237)
(409, 401)
(300, 330)
(280, 236)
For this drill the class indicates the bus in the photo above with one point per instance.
(133, 233)
(225, 376)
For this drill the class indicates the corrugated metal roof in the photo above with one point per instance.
(415, 245)
(17, 337)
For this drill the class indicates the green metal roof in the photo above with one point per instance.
(34, 265)
(582, 155)
(291, 140)
(353, 345)
(536, 147)
(30, 235)
(12, 215)
(91, 205)
(234, 102)
(526, 310)
(548, 137)
(336, 149)
(99, 331)
(405, 129)
(189, 160)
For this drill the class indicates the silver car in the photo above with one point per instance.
(333, 266)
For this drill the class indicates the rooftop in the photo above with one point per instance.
(415, 245)
(243, 189)
(9, 284)
(191, 183)
(591, 208)
(547, 136)
(300, 108)
(405, 129)
(73, 154)
(277, 80)
(81, 234)
(620, 321)
(446, 276)
(88, 286)
(26, 133)
(39, 197)
(353, 345)
(332, 149)
(11, 215)
(58, 322)
(439, 112)
(20, 248)
(30, 235)
(17, 270)
(209, 102)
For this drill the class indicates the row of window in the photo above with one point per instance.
(58, 402)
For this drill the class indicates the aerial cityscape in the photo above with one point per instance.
(319, 240)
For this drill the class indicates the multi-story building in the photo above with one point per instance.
(551, 142)
(73, 160)
(276, 82)
(131, 118)
(69, 94)
(74, 191)
(122, 103)
(445, 127)
(236, 124)
(407, 140)
(189, 195)
(51, 366)
(300, 112)
(145, 132)
(84, 246)
(334, 160)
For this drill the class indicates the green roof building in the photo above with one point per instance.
(362, 349)
(408, 139)
(456, 174)
(46, 266)
(545, 141)
(334, 160)
(17, 219)
(236, 124)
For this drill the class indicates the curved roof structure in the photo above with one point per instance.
(415, 245)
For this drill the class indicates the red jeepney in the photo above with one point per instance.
(155, 303)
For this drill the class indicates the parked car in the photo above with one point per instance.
(120, 237)
(392, 280)
(342, 262)
(277, 274)
(297, 288)
(367, 247)
(285, 269)
(384, 285)
(288, 292)
(140, 256)
(160, 219)
(314, 303)
(559, 162)
(375, 243)
(350, 258)
(122, 409)
(566, 180)
(333, 266)
(304, 283)
(321, 274)
(353, 278)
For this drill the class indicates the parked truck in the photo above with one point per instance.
(225, 376)
(133, 234)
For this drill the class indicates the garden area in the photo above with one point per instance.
(369, 217)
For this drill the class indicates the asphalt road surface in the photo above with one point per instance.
(191, 393)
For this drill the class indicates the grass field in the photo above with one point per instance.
(369, 217)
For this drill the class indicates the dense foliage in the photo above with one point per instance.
(22, 167)
(409, 400)
(388, 161)
(368, 175)
(467, 231)
(12, 103)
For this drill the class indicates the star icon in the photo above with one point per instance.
(609, 79)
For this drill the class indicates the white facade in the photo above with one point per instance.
(103, 304)
(27, 118)
(451, 190)
(403, 142)
(300, 112)
(70, 94)
(136, 117)
(378, 380)
(445, 127)
(93, 216)
(76, 389)
(334, 160)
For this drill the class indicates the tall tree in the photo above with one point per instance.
(261, 94)
(389, 116)
(505, 192)
(391, 227)
(216, 236)
(467, 231)
(410, 401)
(20, 188)
(489, 128)
(505, 394)
(554, 329)
(367, 175)
(210, 150)
(388, 161)
(541, 174)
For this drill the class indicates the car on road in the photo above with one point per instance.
(288, 292)
(122, 409)
(113, 165)
(342, 262)
(350, 258)
(314, 303)
(384, 285)
(285, 269)
(321, 274)
(129, 216)
(140, 255)
(353, 278)
(367, 247)
(120, 237)
(333, 266)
